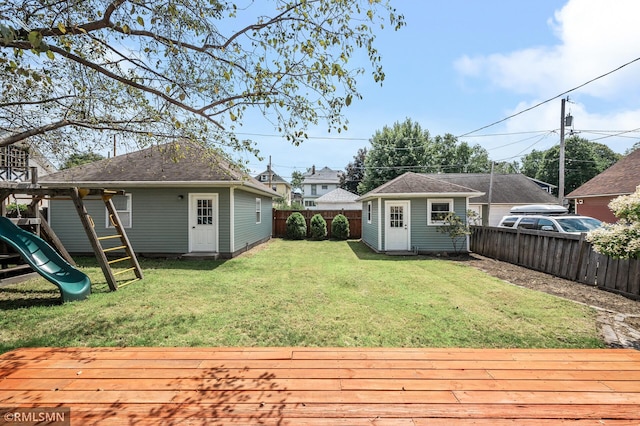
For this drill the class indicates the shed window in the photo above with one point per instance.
(258, 210)
(438, 210)
(122, 204)
(369, 212)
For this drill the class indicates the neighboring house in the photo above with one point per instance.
(278, 184)
(316, 183)
(179, 199)
(18, 161)
(506, 191)
(22, 163)
(547, 187)
(404, 214)
(593, 197)
(338, 199)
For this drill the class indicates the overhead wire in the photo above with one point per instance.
(550, 99)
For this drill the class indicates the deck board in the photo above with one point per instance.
(326, 386)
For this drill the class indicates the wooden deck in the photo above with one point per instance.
(320, 386)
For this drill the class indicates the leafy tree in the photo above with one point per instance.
(297, 178)
(622, 239)
(633, 148)
(79, 159)
(76, 71)
(583, 161)
(354, 172)
(394, 151)
(340, 227)
(532, 163)
(446, 155)
(318, 227)
(456, 229)
(407, 147)
(295, 227)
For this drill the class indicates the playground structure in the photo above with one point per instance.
(44, 252)
(73, 283)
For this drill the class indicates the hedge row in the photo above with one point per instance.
(296, 227)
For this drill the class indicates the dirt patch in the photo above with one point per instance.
(589, 295)
(618, 317)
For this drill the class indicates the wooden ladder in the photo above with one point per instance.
(97, 242)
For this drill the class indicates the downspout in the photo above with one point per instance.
(232, 215)
(380, 217)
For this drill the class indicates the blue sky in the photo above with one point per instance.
(460, 65)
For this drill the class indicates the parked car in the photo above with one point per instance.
(567, 224)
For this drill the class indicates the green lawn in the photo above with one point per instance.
(298, 293)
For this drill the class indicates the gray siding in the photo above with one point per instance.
(160, 220)
(246, 231)
(426, 237)
(370, 230)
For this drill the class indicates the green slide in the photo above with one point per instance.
(73, 284)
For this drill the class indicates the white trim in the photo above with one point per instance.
(129, 210)
(248, 186)
(421, 195)
(369, 212)
(232, 220)
(216, 217)
(406, 204)
(258, 210)
(380, 220)
(430, 201)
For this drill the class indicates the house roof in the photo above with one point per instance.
(338, 195)
(514, 188)
(324, 175)
(621, 178)
(175, 164)
(275, 178)
(413, 184)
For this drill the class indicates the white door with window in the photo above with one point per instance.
(203, 222)
(397, 225)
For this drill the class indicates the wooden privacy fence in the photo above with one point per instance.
(354, 217)
(563, 255)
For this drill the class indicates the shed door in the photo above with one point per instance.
(397, 225)
(203, 222)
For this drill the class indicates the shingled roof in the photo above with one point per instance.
(337, 195)
(179, 163)
(620, 179)
(412, 184)
(513, 188)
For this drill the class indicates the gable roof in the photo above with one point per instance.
(275, 178)
(413, 184)
(621, 178)
(514, 188)
(173, 164)
(337, 195)
(324, 175)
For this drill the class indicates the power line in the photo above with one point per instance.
(550, 99)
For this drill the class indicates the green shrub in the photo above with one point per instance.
(318, 227)
(296, 227)
(15, 210)
(340, 227)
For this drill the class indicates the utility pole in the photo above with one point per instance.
(490, 195)
(561, 159)
(269, 171)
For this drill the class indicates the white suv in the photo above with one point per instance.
(555, 220)
(565, 224)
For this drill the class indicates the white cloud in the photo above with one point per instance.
(594, 37)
